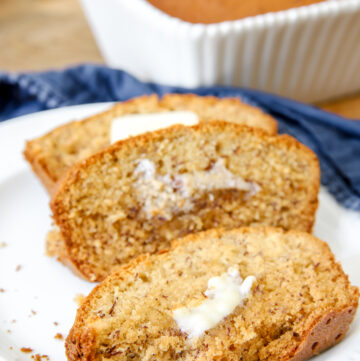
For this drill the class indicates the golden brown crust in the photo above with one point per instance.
(142, 141)
(39, 168)
(253, 116)
(84, 348)
(326, 331)
(324, 328)
(56, 247)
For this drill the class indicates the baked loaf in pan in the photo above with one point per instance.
(141, 193)
(216, 11)
(299, 304)
(52, 154)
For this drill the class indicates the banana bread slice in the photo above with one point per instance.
(300, 302)
(139, 194)
(52, 154)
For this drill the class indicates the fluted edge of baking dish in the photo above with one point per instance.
(308, 53)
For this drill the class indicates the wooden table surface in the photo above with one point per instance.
(43, 34)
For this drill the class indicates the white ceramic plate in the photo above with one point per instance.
(44, 286)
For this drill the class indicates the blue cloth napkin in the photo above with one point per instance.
(335, 140)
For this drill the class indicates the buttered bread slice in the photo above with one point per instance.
(55, 152)
(141, 193)
(246, 294)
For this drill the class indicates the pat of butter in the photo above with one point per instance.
(224, 294)
(135, 124)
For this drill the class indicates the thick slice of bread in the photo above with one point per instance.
(300, 304)
(52, 154)
(217, 174)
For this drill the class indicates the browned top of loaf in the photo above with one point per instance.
(52, 154)
(216, 11)
(301, 303)
(100, 217)
(210, 108)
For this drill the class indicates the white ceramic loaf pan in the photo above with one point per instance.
(310, 53)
